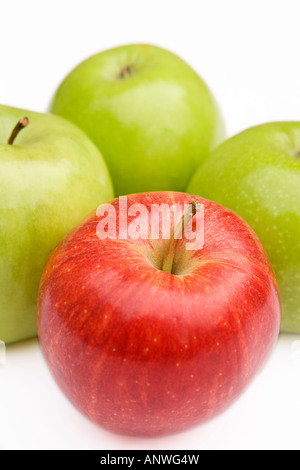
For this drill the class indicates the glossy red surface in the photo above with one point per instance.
(144, 352)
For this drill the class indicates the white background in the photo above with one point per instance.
(248, 52)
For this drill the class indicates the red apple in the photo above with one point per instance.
(146, 352)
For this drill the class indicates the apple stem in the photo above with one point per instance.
(168, 261)
(126, 72)
(24, 122)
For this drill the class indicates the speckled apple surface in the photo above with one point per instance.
(50, 178)
(150, 114)
(257, 174)
(144, 352)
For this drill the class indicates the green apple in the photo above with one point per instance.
(151, 115)
(51, 176)
(257, 174)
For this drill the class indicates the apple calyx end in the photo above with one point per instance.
(21, 124)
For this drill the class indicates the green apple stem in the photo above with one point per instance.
(24, 122)
(168, 261)
(126, 72)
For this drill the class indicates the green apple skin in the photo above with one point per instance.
(257, 174)
(151, 115)
(50, 178)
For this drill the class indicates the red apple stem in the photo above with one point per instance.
(24, 122)
(168, 261)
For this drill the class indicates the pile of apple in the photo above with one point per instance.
(142, 335)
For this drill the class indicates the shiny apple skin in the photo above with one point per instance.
(143, 352)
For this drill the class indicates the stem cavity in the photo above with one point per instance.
(126, 72)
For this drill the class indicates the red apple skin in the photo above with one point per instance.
(143, 352)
